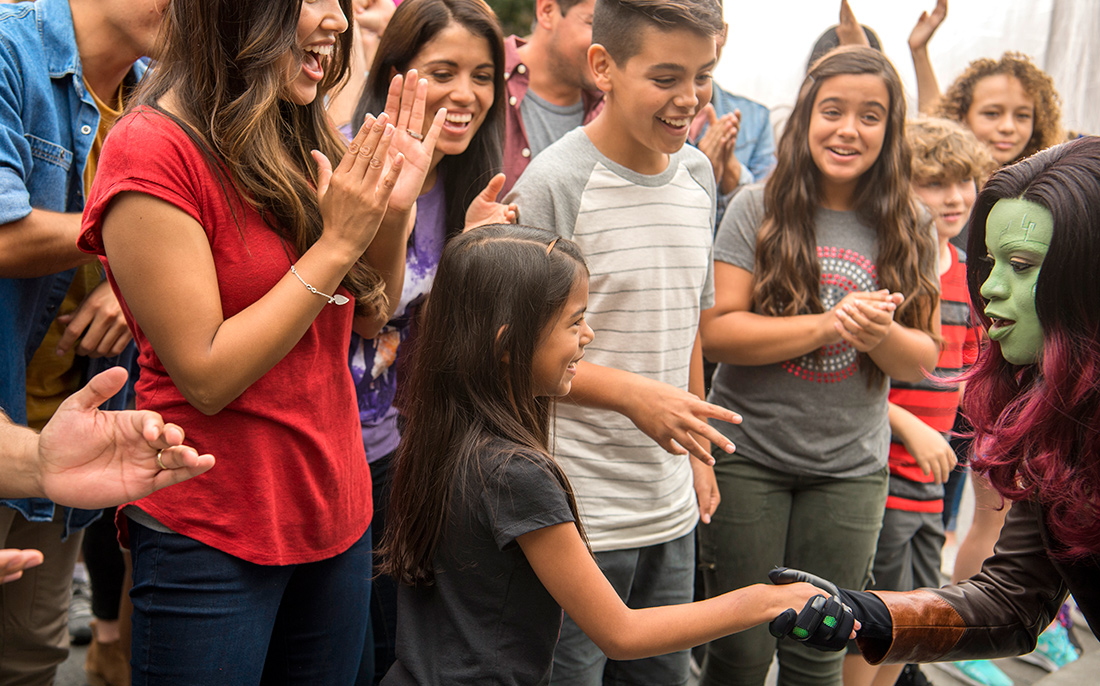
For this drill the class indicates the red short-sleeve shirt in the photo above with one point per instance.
(291, 483)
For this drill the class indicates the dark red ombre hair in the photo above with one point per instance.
(1037, 427)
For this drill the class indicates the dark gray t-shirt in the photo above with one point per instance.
(546, 122)
(487, 619)
(815, 414)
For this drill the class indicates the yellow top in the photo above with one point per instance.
(51, 377)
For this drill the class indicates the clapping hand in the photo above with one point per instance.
(354, 196)
(863, 318)
(718, 144)
(406, 101)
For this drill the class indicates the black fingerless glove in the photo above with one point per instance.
(826, 623)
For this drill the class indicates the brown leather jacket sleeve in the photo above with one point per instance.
(997, 613)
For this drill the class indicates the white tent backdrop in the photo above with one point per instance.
(770, 41)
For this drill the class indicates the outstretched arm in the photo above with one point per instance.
(39, 244)
(92, 459)
(567, 570)
(928, 89)
(999, 612)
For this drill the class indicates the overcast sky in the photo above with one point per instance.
(770, 40)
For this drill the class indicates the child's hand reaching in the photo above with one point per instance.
(486, 210)
(670, 416)
(863, 319)
(13, 562)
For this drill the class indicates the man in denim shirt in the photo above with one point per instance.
(52, 91)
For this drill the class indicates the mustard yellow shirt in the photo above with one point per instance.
(51, 377)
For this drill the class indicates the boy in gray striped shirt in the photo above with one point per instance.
(641, 206)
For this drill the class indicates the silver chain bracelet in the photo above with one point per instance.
(333, 299)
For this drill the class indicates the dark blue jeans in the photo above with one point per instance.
(204, 617)
(380, 650)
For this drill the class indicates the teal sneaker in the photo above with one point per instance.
(977, 673)
(1052, 650)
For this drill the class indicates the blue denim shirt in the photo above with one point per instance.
(48, 122)
(755, 148)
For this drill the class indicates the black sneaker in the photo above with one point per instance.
(912, 676)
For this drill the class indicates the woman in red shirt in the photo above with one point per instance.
(243, 261)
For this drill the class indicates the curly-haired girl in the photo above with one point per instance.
(1010, 104)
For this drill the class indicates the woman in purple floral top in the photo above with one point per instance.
(457, 48)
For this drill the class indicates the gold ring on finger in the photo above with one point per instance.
(415, 134)
(159, 463)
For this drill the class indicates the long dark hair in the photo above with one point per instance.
(1037, 427)
(786, 273)
(415, 23)
(497, 289)
(225, 62)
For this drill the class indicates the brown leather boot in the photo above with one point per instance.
(106, 663)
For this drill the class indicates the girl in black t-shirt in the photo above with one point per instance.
(484, 535)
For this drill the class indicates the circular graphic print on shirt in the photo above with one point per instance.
(842, 272)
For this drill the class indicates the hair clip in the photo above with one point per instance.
(551, 246)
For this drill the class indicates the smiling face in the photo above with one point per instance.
(1002, 115)
(562, 345)
(949, 200)
(1017, 236)
(847, 129)
(458, 66)
(653, 96)
(319, 22)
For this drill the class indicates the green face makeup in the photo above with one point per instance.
(1017, 235)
